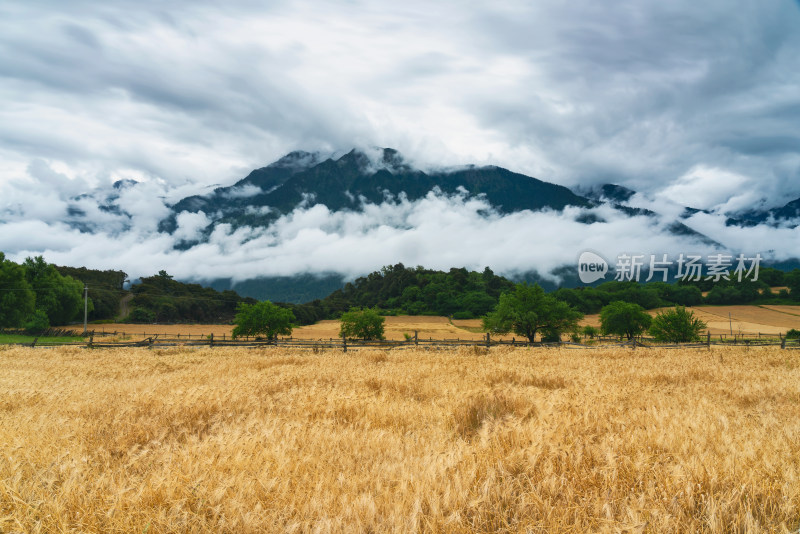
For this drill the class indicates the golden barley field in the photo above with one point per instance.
(524, 440)
(395, 327)
(743, 319)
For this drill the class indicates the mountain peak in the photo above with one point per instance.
(616, 193)
(299, 160)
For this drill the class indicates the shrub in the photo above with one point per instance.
(793, 334)
(590, 331)
(677, 325)
(37, 323)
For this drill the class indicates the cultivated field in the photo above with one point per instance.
(525, 440)
(770, 320)
(395, 328)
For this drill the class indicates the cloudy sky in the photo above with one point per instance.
(688, 102)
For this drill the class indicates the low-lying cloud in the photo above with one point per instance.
(437, 231)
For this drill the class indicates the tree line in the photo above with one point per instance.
(34, 295)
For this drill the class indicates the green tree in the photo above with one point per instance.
(527, 310)
(677, 326)
(262, 319)
(60, 297)
(362, 323)
(17, 300)
(624, 319)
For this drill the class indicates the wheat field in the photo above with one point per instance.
(525, 440)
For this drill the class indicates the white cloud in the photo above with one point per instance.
(437, 231)
(712, 188)
(244, 191)
(190, 226)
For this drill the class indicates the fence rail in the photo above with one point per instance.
(157, 340)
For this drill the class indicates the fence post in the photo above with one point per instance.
(149, 342)
(416, 337)
(34, 341)
(344, 344)
(708, 340)
(488, 340)
(91, 341)
(783, 341)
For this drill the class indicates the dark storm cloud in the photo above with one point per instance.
(642, 92)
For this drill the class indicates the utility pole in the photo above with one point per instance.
(85, 306)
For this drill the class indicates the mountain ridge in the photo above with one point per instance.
(355, 178)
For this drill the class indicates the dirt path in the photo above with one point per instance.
(124, 308)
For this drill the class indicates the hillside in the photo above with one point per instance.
(302, 178)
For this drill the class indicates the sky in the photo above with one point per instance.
(689, 103)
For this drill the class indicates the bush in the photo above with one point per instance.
(362, 324)
(37, 323)
(463, 315)
(793, 334)
(677, 326)
(590, 331)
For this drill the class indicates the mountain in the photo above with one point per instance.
(787, 215)
(345, 183)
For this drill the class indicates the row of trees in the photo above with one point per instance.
(526, 310)
(463, 294)
(34, 295)
(458, 293)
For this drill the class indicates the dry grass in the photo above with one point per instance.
(528, 440)
(395, 328)
(767, 319)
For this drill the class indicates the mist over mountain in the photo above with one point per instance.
(311, 221)
(357, 178)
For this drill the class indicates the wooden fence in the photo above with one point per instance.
(157, 340)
